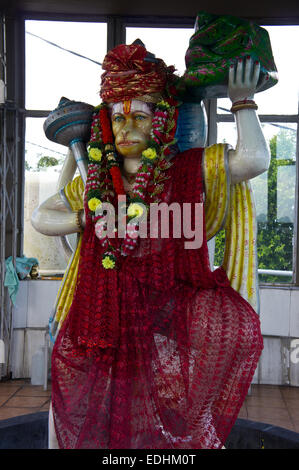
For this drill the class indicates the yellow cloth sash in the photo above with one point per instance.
(74, 192)
(232, 207)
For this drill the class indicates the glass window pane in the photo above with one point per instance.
(285, 141)
(274, 194)
(276, 224)
(43, 163)
(227, 133)
(52, 72)
(169, 44)
(286, 178)
(283, 97)
(224, 105)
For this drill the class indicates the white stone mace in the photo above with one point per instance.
(69, 124)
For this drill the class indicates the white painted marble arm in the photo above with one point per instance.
(53, 217)
(68, 170)
(251, 157)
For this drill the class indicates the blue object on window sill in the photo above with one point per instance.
(14, 274)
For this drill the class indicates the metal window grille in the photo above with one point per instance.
(10, 191)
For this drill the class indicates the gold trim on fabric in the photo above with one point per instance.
(150, 98)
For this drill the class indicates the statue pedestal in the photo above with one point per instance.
(31, 432)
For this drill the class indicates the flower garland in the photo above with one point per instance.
(103, 158)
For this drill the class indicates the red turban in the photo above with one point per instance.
(128, 74)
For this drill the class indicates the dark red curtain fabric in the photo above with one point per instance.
(160, 353)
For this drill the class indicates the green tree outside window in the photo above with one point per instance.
(276, 226)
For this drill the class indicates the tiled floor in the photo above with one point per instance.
(273, 405)
(266, 403)
(19, 397)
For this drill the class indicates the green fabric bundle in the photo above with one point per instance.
(217, 43)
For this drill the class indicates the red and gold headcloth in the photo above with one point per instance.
(131, 72)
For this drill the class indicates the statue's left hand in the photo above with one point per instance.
(243, 79)
(251, 155)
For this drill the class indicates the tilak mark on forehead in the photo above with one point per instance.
(130, 106)
(127, 106)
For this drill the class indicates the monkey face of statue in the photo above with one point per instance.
(131, 125)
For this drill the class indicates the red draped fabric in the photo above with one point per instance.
(173, 348)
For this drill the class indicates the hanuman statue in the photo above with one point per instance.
(155, 349)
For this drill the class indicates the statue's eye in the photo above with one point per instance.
(118, 118)
(140, 117)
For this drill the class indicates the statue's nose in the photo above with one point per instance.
(124, 133)
(127, 127)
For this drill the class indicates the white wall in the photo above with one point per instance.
(34, 305)
(279, 315)
(280, 327)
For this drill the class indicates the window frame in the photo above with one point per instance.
(276, 118)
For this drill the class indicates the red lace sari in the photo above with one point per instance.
(158, 354)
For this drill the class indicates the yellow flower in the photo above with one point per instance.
(94, 203)
(164, 103)
(149, 153)
(135, 210)
(95, 154)
(108, 263)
